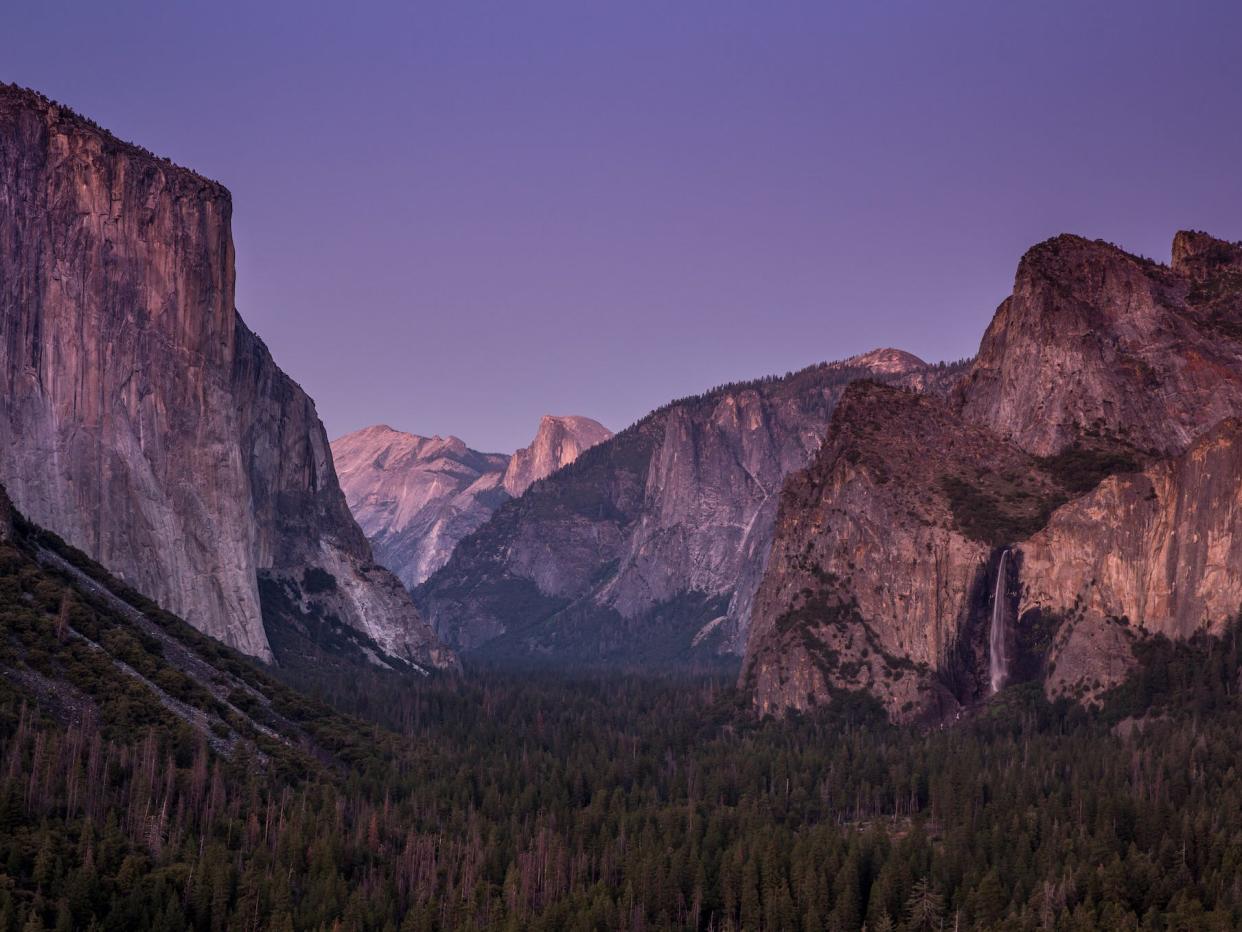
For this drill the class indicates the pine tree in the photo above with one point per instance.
(925, 907)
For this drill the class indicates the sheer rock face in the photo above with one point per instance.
(1096, 341)
(1160, 550)
(140, 419)
(1096, 353)
(651, 545)
(416, 497)
(559, 441)
(872, 579)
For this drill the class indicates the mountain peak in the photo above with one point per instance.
(1197, 254)
(561, 439)
(1095, 341)
(887, 361)
(379, 437)
(374, 432)
(1069, 257)
(582, 427)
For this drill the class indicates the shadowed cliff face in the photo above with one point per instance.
(1101, 366)
(140, 419)
(647, 549)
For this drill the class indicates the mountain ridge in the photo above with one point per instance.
(651, 542)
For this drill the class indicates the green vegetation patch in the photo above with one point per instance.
(1081, 468)
(1201, 675)
(998, 513)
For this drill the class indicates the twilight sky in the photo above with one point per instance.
(453, 217)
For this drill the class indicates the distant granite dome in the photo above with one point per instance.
(416, 497)
(559, 441)
(887, 361)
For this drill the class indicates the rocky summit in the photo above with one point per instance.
(416, 497)
(1096, 345)
(143, 422)
(1075, 495)
(649, 547)
(558, 442)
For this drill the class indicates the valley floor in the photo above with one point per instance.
(541, 802)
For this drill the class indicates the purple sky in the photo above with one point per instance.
(454, 217)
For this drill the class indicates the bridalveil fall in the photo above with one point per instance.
(998, 658)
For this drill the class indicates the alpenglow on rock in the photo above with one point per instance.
(416, 497)
(1096, 344)
(141, 420)
(559, 441)
(1095, 440)
(648, 549)
(875, 580)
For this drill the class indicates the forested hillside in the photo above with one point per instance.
(138, 790)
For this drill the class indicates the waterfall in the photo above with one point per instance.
(998, 657)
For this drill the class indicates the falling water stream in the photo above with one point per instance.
(998, 659)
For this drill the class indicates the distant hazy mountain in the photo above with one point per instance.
(416, 497)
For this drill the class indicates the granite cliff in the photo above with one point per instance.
(882, 549)
(142, 421)
(648, 548)
(558, 442)
(1090, 443)
(416, 497)
(1097, 343)
(1151, 552)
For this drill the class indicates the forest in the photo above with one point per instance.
(538, 801)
